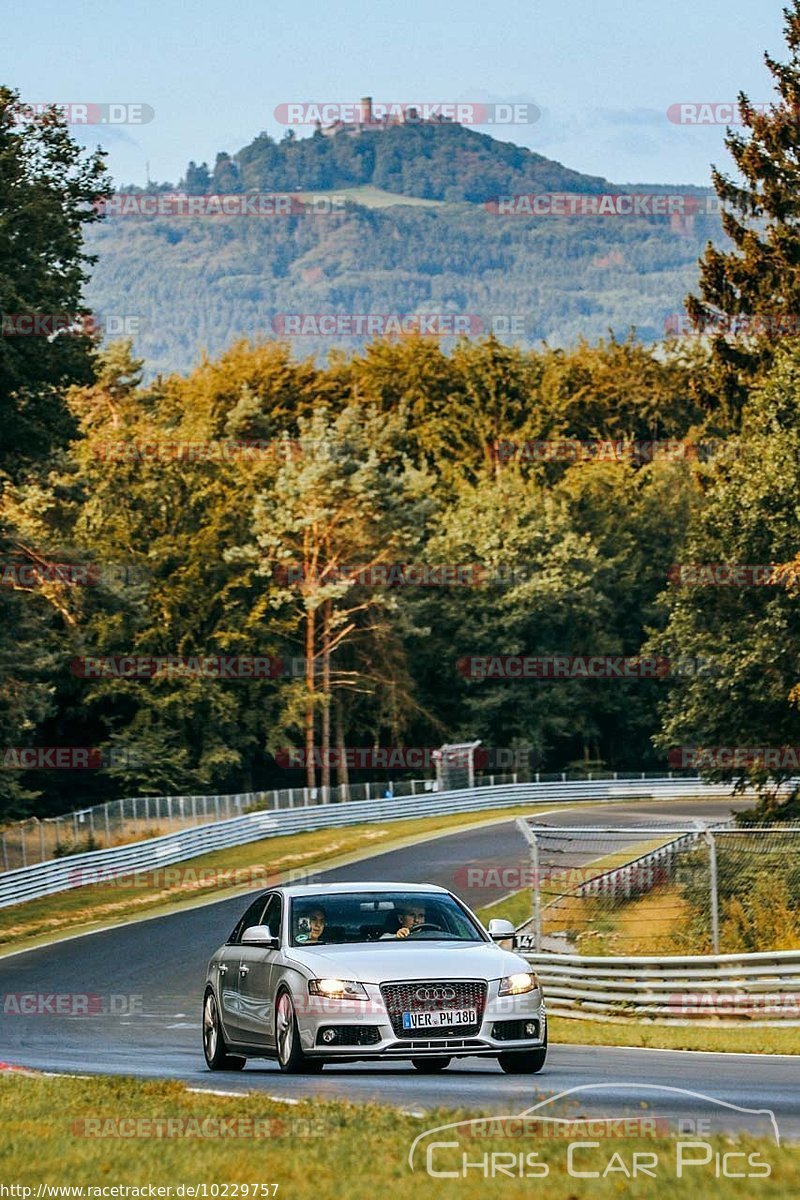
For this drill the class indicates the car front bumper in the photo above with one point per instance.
(351, 1029)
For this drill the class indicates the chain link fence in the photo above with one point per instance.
(663, 889)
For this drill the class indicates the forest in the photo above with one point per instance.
(251, 571)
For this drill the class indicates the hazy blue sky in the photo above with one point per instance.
(603, 72)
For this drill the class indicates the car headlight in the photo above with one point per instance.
(515, 985)
(337, 989)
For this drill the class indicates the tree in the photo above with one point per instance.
(49, 187)
(759, 279)
(746, 637)
(198, 179)
(348, 500)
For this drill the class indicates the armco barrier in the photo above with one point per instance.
(714, 989)
(76, 870)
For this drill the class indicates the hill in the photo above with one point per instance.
(408, 227)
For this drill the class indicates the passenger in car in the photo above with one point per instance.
(314, 923)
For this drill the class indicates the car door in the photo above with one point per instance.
(228, 964)
(255, 974)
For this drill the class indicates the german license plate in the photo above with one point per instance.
(438, 1017)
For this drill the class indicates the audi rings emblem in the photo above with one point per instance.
(435, 993)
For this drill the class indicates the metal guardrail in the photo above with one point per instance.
(78, 870)
(722, 990)
(637, 876)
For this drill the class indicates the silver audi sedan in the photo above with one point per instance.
(353, 971)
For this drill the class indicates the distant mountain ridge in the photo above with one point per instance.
(194, 284)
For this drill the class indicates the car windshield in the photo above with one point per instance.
(400, 917)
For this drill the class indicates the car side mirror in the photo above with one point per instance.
(501, 931)
(260, 935)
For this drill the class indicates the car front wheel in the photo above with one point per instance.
(291, 1059)
(523, 1062)
(214, 1046)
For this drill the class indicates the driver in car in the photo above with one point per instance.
(413, 914)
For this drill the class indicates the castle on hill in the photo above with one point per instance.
(382, 116)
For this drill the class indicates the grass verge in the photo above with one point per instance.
(518, 906)
(760, 1040)
(100, 1132)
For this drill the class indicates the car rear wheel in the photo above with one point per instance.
(214, 1046)
(291, 1059)
(523, 1062)
(429, 1066)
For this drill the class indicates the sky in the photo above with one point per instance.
(601, 75)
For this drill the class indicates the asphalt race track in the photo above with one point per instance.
(150, 976)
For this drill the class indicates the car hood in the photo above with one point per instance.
(381, 962)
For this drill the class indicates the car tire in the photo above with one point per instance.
(215, 1048)
(429, 1066)
(523, 1062)
(291, 1059)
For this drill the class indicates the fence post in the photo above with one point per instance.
(712, 870)
(22, 844)
(108, 826)
(537, 896)
(41, 842)
(5, 854)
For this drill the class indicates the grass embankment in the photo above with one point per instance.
(317, 1149)
(224, 873)
(570, 912)
(760, 1040)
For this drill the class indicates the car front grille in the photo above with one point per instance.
(402, 997)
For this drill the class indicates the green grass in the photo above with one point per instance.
(245, 868)
(515, 908)
(746, 1040)
(315, 1150)
(518, 906)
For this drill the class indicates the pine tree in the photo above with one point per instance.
(754, 289)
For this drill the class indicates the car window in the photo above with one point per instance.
(330, 919)
(272, 915)
(251, 917)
